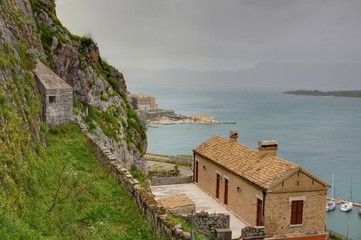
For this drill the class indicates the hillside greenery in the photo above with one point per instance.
(67, 194)
(51, 184)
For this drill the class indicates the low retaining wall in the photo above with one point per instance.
(155, 214)
(207, 223)
(253, 233)
(170, 159)
(156, 181)
(179, 159)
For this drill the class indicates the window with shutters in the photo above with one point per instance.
(296, 212)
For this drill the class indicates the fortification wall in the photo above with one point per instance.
(146, 115)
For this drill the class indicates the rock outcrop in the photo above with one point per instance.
(30, 30)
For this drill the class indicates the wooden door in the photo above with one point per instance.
(259, 212)
(217, 186)
(196, 171)
(225, 191)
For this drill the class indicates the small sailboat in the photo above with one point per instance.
(331, 204)
(348, 205)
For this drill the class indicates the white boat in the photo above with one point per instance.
(348, 205)
(331, 204)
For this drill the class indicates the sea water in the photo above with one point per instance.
(321, 134)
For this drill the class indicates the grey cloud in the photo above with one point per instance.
(214, 34)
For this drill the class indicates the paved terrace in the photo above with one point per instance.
(203, 201)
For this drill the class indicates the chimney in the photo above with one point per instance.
(233, 136)
(267, 147)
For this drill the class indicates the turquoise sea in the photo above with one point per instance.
(322, 134)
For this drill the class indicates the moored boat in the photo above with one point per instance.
(331, 204)
(346, 206)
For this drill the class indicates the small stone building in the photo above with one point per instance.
(259, 187)
(57, 96)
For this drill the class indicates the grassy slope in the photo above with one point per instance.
(69, 195)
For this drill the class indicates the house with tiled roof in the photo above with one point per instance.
(259, 187)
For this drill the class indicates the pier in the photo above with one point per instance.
(338, 200)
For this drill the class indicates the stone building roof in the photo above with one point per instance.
(266, 171)
(48, 78)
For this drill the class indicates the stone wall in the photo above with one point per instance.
(253, 233)
(60, 109)
(242, 196)
(278, 219)
(154, 213)
(170, 159)
(207, 223)
(146, 115)
(182, 160)
(156, 181)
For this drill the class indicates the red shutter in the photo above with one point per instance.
(296, 212)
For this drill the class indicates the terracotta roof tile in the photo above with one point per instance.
(263, 171)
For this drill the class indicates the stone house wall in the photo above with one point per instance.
(242, 202)
(278, 205)
(243, 195)
(58, 106)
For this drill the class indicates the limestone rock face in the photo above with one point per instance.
(99, 88)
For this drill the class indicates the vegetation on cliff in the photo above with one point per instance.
(51, 185)
(99, 88)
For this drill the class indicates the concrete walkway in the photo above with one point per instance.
(203, 201)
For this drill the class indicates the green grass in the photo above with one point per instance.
(186, 226)
(68, 194)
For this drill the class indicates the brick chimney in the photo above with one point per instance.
(267, 147)
(233, 136)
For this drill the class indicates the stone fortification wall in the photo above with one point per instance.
(156, 114)
(154, 213)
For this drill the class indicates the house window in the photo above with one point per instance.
(52, 99)
(296, 212)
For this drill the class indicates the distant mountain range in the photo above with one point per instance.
(284, 76)
(353, 93)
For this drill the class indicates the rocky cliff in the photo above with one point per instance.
(30, 30)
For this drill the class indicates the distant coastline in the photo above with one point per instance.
(351, 93)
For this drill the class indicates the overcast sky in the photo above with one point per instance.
(217, 34)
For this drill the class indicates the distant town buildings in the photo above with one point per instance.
(261, 188)
(142, 102)
(57, 96)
